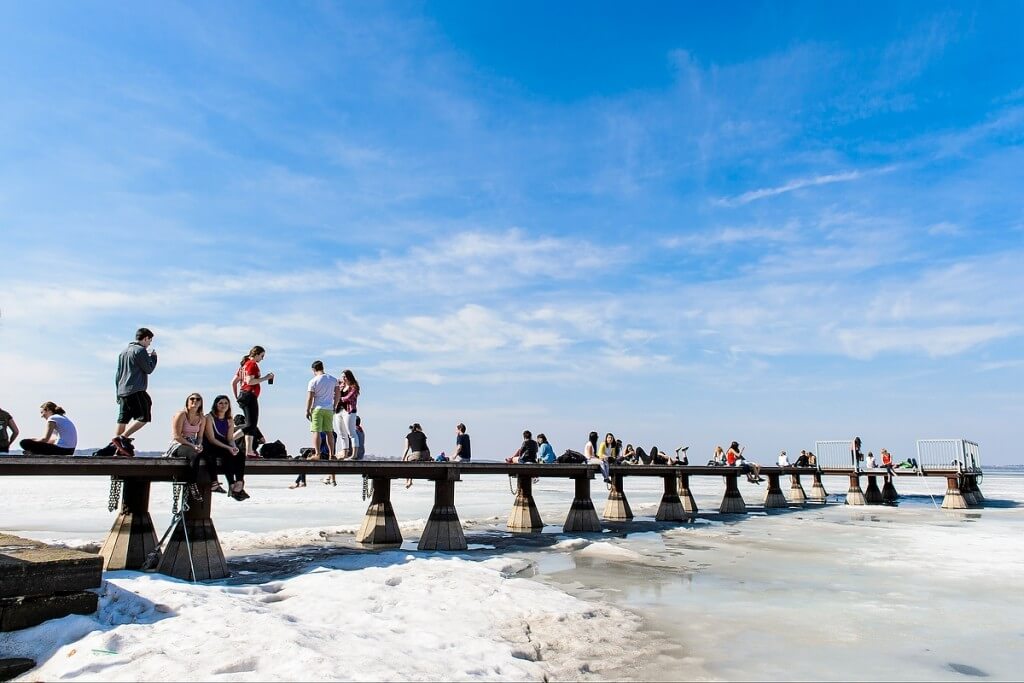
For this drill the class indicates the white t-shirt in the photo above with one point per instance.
(323, 387)
(783, 461)
(67, 435)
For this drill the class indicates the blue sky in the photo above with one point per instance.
(768, 222)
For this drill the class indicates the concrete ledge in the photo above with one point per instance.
(32, 568)
(19, 613)
(14, 666)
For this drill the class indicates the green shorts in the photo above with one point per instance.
(322, 420)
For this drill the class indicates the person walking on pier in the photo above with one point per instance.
(345, 419)
(590, 453)
(463, 449)
(61, 437)
(217, 443)
(248, 397)
(135, 408)
(8, 431)
(416, 449)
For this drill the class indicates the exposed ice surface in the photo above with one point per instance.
(909, 593)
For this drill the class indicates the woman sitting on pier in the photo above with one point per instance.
(734, 458)
(187, 427)
(590, 453)
(61, 437)
(416, 449)
(217, 443)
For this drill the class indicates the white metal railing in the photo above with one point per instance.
(960, 454)
(834, 454)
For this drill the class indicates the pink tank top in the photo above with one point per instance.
(191, 431)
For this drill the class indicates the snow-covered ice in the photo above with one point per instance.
(908, 593)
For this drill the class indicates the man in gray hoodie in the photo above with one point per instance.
(134, 366)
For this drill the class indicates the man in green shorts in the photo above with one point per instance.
(320, 397)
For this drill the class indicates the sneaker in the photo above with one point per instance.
(120, 449)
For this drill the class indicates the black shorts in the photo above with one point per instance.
(137, 406)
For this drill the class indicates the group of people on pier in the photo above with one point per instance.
(216, 441)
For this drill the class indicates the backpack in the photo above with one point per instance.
(107, 451)
(274, 449)
(571, 457)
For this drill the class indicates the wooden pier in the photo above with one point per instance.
(193, 550)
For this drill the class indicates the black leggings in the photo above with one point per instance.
(251, 408)
(233, 466)
(37, 447)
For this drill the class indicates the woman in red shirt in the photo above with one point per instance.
(248, 397)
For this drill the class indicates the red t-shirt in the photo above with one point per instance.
(250, 369)
(730, 457)
(886, 459)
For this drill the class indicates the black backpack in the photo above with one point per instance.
(274, 449)
(571, 457)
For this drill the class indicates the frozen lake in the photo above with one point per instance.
(909, 592)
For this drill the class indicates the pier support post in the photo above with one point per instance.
(444, 530)
(797, 496)
(685, 496)
(889, 494)
(773, 497)
(524, 515)
(132, 537)
(818, 493)
(954, 499)
(380, 526)
(872, 494)
(732, 502)
(207, 556)
(967, 491)
(977, 490)
(582, 515)
(854, 495)
(671, 508)
(617, 508)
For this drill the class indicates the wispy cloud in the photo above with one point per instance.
(799, 184)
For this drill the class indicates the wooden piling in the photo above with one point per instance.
(889, 494)
(954, 499)
(207, 557)
(773, 497)
(617, 508)
(854, 495)
(975, 489)
(582, 515)
(671, 508)
(524, 515)
(132, 537)
(444, 530)
(872, 494)
(797, 496)
(732, 502)
(380, 526)
(685, 496)
(818, 493)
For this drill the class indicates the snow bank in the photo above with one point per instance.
(381, 616)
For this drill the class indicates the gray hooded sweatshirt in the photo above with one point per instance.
(133, 368)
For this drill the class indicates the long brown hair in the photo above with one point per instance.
(199, 410)
(52, 407)
(253, 352)
(350, 379)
